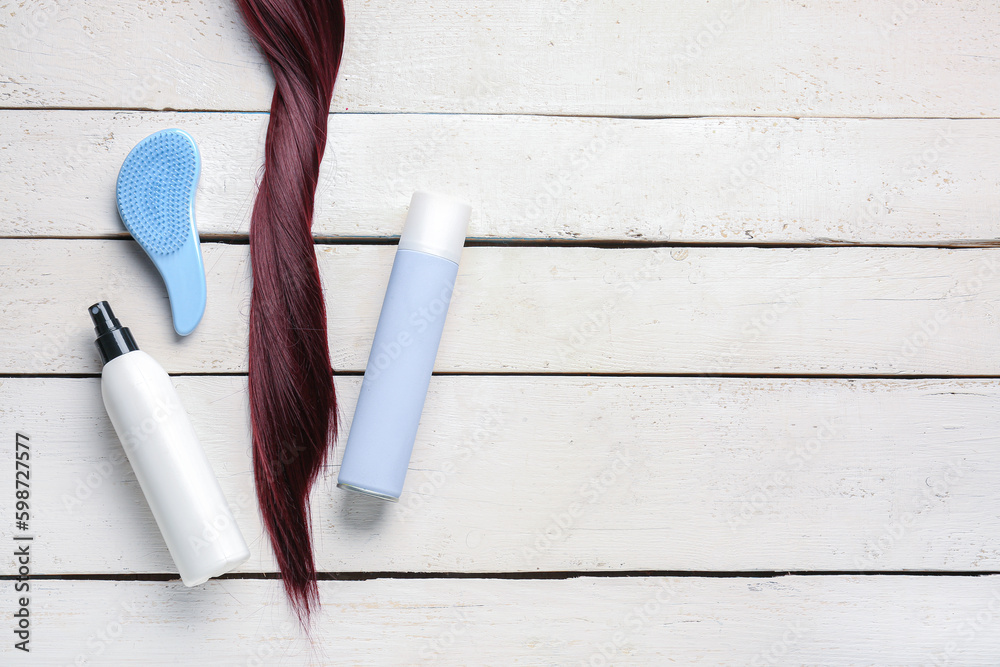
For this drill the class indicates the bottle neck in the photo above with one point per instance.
(113, 344)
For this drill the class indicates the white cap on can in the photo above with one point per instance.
(437, 225)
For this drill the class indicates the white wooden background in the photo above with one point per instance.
(732, 298)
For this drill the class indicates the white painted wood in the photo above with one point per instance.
(687, 180)
(580, 474)
(518, 473)
(637, 57)
(516, 309)
(586, 621)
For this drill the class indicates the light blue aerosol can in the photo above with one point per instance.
(406, 341)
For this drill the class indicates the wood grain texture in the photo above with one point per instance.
(548, 310)
(632, 58)
(696, 122)
(571, 474)
(584, 621)
(700, 180)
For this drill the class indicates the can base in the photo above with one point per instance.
(368, 492)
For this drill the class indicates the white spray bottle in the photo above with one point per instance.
(161, 444)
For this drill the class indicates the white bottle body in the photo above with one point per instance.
(173, 471)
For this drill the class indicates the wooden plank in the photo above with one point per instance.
(580, 474)
(690, 621)
(701, 179)
(549, 309)
(633, 58)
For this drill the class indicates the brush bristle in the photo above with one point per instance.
(155, 187)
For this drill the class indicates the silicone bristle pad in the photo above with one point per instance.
(156, 188)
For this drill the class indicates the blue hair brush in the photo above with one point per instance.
(155, 192)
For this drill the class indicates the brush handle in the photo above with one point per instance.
(184, 275)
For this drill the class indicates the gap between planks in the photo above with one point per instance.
(529, 576)
(535, 114)
(582, 374)
(597, 244)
